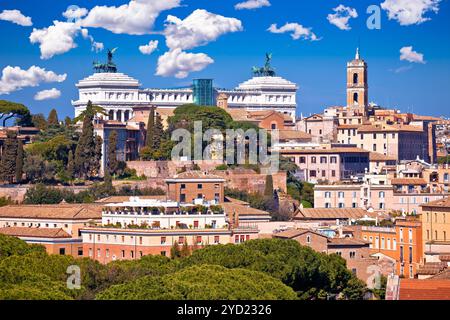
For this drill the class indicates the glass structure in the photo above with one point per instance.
(203, 92)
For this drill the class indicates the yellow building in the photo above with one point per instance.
(436, 229)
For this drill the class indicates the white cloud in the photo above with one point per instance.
(47, 94)
(298, 31)
(341, 16)
(408, 54)
(252, 4)
(136, 17)
(15, 78)
(74, 13)
(59, 38)
(15, 16)
(149, 48)
(408, 12)
(199, 28)
(179, 63)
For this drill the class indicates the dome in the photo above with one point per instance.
(261, 83)
(109, 79)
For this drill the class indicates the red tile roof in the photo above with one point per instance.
(429, 289)
(53, 211)
(35, 232)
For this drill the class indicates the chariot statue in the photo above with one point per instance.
(110, 66)
(267, 70)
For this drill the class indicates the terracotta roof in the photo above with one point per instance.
(441, 203)
(119, 199)
(445, 274)
(242, 210)
(347, 242)
(187, 175)
(408, 181)
(237, 201)
(332, 213)
(376, 156)
(35, 232)
(349, 126)
(293, 135)
(293, 233)
(53, 211)
(425, 118)
(389, 128)
(429, 289)
(326, 151)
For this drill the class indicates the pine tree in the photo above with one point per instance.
(19, 161)
(70, 165)
(107, 184)
(158, 132)
(53, 118)
(85, 151)
(8, 162)
(112, 162)
(150, 128)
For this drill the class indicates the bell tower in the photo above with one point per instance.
(357, 84)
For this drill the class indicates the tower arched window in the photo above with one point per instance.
(355, 78)
(355, 97)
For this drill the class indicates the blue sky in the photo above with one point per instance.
(420, 84)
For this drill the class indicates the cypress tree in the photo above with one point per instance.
(19, 161)
(85, 151)
(70, 165)
(158, 132)
(150, 128)
(67, 121)
(53, 118)
(98, 154)
(8, 162)
(268, 191)
(112, 162)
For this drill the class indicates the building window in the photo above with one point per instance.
(341, 205)
(199, 186)
(312, 173)
(107, 253)
(355, 78)
(98, 253)
(401, 254)
(308, 239)
(410, 254)
(80, 251)
(199, 240)
(313, 159)
(333, 159)
(327, 194)
(324, 174)
(374, 147)
(140, 240)
(323, 159)
(163, 253)
(352, 254)
(354, 205)
(302, 160)
(216, 239)
(132, 254)
(333, 173)
(183, 186)
(381, 194)
(327, 205)
(340, 194)
(163, 240)
(62, 251)
(181, 240)
(90, 252)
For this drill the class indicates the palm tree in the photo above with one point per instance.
(90, 111)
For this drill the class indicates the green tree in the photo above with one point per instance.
(175, 251)
(10, 109)
(268, 191)
(85, 151)
(158, 132)
(150, 129)
(53, 118)
(70, 166)
(39, 121)
(98, 154)
(90, 112)
(19, 161)
(112, 162)
(67, 121)
(9, 157)
(206, 282)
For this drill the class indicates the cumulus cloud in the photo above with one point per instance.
(341, 16)
(297, 31)
(15, 16)
(179, 63)
(149, 48)
(408, 12)
(408, 54)
(15, 78)
(60, 38)
(47, 94)
(199, 28)
(74, 13)
(252, 4)
(136, 17)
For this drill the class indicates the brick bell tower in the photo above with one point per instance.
(357, 84)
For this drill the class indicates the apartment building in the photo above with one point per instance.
(330, 164)
(401, 242)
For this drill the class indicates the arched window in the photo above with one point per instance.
(111, 115)
(355, 78)
(355, 97)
